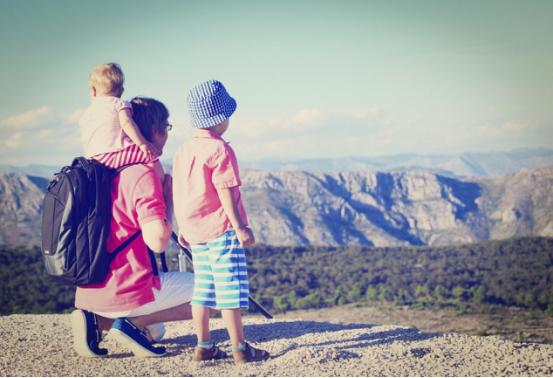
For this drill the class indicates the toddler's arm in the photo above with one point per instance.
(243, 232)
(131, 129)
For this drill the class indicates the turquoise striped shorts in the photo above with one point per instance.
(220, 273)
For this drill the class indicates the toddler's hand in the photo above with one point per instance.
(183, 242)
(150, 150)
(245, 236)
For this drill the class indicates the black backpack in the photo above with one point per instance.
(76, 223)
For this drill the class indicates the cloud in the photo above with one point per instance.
(501, 128)
(309, 132)
(13, 140)
(39, 135)
(307, 117)
(73, 117)
(308, 122)
(372, 132)
(45, 136)
(27, 120)
(459, 137)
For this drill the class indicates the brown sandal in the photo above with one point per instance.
(205, 354)
(250, 354)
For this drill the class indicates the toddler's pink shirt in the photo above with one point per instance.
(137, 199)
(101, 131)
(201, 165)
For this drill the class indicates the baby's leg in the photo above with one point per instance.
(127, 156)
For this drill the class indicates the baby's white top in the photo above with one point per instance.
(101, 131)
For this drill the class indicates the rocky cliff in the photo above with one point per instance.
(368, 208)
(20, 208)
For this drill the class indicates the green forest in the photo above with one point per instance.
(515, 272)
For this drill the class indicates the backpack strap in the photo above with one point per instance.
(163, 262)
(124, 245)
(118, 170)
(133, 236)
(153, 261)
(81, 160)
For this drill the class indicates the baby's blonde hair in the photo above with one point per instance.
(108, 79)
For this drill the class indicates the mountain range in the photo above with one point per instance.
(368, 208)
(382, 209)
(456, 165)
(453, 165)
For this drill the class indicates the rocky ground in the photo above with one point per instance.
(511, 323)
(40, 345)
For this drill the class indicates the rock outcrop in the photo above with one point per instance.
(20, 208)
(382, 209)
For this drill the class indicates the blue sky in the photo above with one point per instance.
(312, 78)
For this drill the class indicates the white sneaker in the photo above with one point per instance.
(156, 332)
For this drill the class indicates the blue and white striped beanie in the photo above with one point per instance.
(210, 104)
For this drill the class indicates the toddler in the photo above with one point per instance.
(212, 221)
(108, 132)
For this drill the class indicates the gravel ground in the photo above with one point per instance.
(511, 323)
(41, 345)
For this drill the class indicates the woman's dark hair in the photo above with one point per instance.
(149, 115)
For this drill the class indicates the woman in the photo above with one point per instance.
(132, 297)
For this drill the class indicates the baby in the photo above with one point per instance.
(108, 132)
